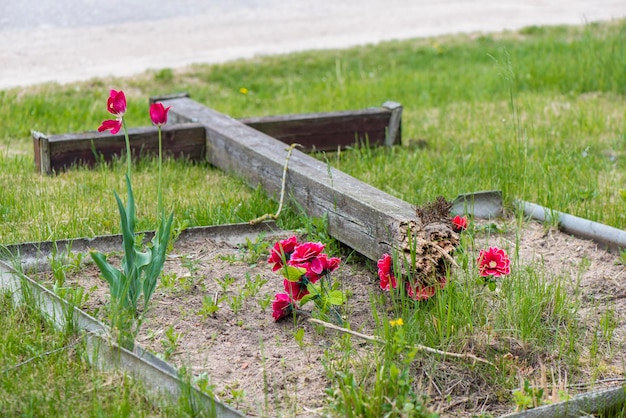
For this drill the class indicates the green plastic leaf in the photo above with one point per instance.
(336, 297)
(292, 273)
(307, 298)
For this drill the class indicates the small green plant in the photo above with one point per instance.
(298, 335)
(62, 264)
(236, 301)
(190, 264)
(170, 343)
(389, 392)
(265, 302)
(252, 286)
(528, 397)
(236, 394)
(253, 251)
(203, 383)
(225, 282)
(169, 280)
(209, 306)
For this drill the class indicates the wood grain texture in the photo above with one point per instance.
(359, 215)
(59, 152)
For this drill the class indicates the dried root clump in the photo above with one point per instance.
(427, 243)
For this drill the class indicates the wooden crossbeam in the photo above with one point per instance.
(59, 152)
(328, 131)
(359, 215)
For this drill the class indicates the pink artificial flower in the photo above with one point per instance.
(493, 262)
(421, 292)
(297, 290)
(459, 223)
(282, 251)
(385, 272)
(158, 113)
(116, 103)
(319, 266)
(305, 252)
(282, 306)
(112, 124)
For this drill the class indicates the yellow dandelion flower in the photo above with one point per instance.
(243, 90)
(396, 322)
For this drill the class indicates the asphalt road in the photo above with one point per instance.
(71, 40)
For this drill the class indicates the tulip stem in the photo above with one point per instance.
(128, 155)
(159, 191)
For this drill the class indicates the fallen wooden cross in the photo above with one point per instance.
(359, 215)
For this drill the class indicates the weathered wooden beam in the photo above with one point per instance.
(331, 131)
(359, 215)
(59, 152)
(327, 131)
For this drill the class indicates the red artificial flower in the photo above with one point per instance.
(493, 262)
(305, 252)
(116, 103)
(112, 124)
(158, 113)
(459, 223)
(297, 290)
(385, 272)
(320, 266)
(421, 292)
(282, 251)
(281, 306)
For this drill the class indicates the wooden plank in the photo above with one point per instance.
(326, 131)
(59, 152)
(359, 215)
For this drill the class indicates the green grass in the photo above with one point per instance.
(539, 114)
(45, 373)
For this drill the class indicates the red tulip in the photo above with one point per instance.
(158, 113)
(112, 124)
(116, 103)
